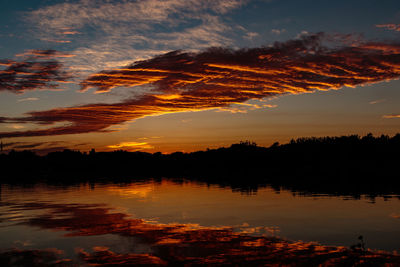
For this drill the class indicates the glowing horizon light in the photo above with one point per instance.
(391, 116)
(135, 145)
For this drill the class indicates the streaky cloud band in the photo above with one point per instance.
(218, 77)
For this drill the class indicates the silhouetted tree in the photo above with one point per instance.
(351, 165)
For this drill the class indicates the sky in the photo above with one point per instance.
(186, 75)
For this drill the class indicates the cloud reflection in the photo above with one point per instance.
(33, 257)
(186, 244)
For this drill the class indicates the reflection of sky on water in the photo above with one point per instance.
(141, 242)
(137, 218)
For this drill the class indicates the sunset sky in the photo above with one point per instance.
(185, 75)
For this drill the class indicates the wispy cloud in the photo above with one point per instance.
(44, 54)
(377, 101)
(395, 215)
(131, 146)
(393, 27)
(278, 31)
(39, 69)
(218, 78)
(28, 99)
(70, 32)
(57, 41)
(245, 107)
(185, 24)
(392, 116)
(72, 15)
(15, 126)
(251, 35)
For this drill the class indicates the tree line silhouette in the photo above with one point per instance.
(345, 165)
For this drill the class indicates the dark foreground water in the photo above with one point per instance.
(86, 223)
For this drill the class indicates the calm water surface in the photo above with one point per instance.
(43, 216)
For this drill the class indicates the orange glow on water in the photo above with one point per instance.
(176, 243)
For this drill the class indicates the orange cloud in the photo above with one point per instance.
(377, 101)
(131, 146)
(16, 126)
(219, 77)
(28, 99)
(48, 54)
(395, 215)
(70, 32)
(56, 41)
(391, 116)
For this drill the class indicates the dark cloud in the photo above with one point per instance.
(41, 148)
(27, 146)
(5, 145)
(218, 77)
(39, 69)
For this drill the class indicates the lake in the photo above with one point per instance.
(98, 217)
